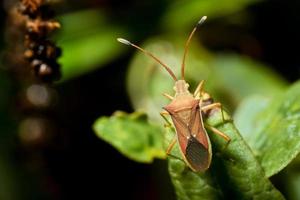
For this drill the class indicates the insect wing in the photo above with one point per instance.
(182, 131)
(197, 155)
(198, 150)
(193, 140)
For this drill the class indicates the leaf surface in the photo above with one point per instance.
(276, 134)
(132, 135)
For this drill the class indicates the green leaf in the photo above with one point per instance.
(87, 44)
(212, 8)
(276, 137)
(236, 168)
(246, 116)
(132, 135)
(234, 171)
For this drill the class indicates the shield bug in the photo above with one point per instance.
(187, 111)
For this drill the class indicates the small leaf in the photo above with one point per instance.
(132, 135)
(276, 138)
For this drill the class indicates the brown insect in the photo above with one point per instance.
(187, 111)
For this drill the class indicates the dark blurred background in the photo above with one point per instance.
(73, 162)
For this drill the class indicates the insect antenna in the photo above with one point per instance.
(149, 54)
(200, 22)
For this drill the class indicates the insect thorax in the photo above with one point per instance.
(181, 88)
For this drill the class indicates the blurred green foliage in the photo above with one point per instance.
(182, 14)
(241, 77)
(88, 37)
(86, 44)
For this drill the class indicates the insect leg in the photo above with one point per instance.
(220, 133)
(214, 105)
(197, 95)
(211, 106)
(163, 114)
(168, 96)
(173, 142)
(199, 89)
(171, 145)
(222, 112)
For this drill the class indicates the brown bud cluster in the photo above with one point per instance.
(39, 50)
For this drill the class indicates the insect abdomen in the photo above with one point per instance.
(197, 155)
